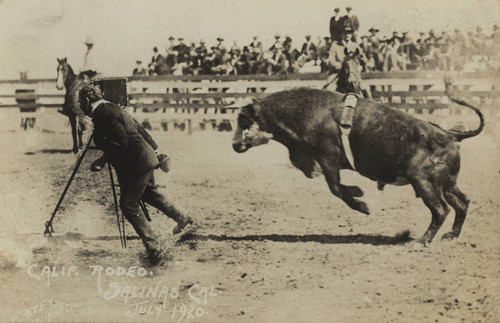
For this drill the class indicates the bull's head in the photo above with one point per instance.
(249, 133)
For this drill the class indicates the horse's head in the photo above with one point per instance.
(350, 73)
(64, 72)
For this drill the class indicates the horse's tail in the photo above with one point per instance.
(461, 135)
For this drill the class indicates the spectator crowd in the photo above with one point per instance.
(396, 52)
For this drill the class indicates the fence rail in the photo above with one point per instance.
(209, 98)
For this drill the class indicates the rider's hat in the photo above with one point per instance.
(89, 41)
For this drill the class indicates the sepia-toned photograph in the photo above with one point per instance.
(249, 161)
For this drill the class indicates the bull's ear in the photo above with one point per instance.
(65, 59)
(255, 106)
(249, 110)
(356, 53)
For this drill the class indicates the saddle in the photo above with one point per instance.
(350, 101)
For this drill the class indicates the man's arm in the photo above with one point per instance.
(146, 135)
(333, 58)
(109, 134)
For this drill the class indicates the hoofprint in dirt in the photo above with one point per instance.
(270, 246)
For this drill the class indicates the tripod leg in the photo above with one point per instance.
(48, 225)
(124, 233)
(122, 238)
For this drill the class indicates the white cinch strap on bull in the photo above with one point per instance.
(350, 102)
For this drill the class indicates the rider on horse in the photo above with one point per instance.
(88, 69)
(344, 60)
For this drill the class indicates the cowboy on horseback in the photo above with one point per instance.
(344, 61)
(88, 69)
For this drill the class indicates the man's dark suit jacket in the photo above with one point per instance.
(125, 143)
(335, 28)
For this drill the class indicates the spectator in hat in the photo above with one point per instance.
(171, 58)
(182, 51)
(352, 21)
(220, 45)
(139, 70)
(335, 25)
(394, 57)
(256, 43)
(276, 41)
(201, 55)
(309, 50)
(158, 65)
(323, 51)
(244, 62)
(277, 63)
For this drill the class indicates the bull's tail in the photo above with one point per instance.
(461, 135)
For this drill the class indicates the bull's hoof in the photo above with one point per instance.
(355, 191)
(75, 150)
(423, 241)
(449, 236)
(362, 207)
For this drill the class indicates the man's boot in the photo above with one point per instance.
(182, 222)
(98, 164)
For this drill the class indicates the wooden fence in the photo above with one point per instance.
(208, 101)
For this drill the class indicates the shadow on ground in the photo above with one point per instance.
(375, 240)
(50, 151)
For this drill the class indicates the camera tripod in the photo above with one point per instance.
(121, 226)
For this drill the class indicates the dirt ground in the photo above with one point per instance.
(271, 246)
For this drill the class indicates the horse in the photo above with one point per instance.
(67, 79)
(348, 79)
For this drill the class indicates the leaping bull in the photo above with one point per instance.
(388, 146)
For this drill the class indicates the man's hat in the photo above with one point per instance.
(202, 41)
(375, 30)
(220, 38)
(89, 41)
(180, 38)
(277, 35)
(138, 61)
(348, 8)
(336, 9)
(171, 38)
